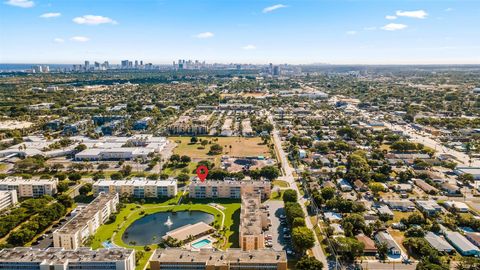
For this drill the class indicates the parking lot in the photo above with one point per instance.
(46, 240)
(279, 229)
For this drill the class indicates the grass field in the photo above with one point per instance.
(281, 183)
(398, 215)
(276, 195)
(232, 146)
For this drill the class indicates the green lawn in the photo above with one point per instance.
(281, 183)
(232, 218)
(229, 218)
(192, 166)
(398, 215)
(276, 195)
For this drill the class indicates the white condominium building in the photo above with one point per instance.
(86, 222)
(138, 187)
(30, 187)
(7, 198)
(231, 189)
(21, 258)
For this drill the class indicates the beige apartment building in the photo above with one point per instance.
(231, 189)
(188, 125)
(231, 259)
(29, 187)
(60, 259)
(138, 187)
(86, 222)
(8, 198)
(253, 221)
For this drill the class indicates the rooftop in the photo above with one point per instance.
(60, 255)
(80, 220)
(184, 232)
(217, 258)
(136, 181)
(251, 215)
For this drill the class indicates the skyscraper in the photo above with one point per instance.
(87, 65)
(124, 63)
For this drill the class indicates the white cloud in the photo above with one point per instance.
(79, 39)
(351, 32)
(272, 8)
(418, 14)
(249, 47)
(50, 15)
(390, 17)
(93, 20)
(204, 35)
(370, 28)
(20, 3)
(448, 9)
(58, 40)
(394, 27)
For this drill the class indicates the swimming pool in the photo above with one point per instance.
(201, 243)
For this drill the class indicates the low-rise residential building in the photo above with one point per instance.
(143, 123)
(369, 244)
(429, 207)
(247, 130)
(392, 245)
(451, 190)
(344, 185)
(384, 210)
(425, 186)
(228, 189)
(360, 186)
(437, 242)
(401, 205)
(474, 171)
(86, 222)
(188, 125)
(457, 206)
(474, 238)
(8, 198)
(137, 187)
(62, 259)
(403, 188)
(461, 244)
(231, 259)
(30, 187)
(253, 220)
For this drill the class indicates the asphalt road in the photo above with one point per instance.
(288, 176)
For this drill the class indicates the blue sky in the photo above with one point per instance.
(247, 31)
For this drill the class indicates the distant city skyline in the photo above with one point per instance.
(241, 31)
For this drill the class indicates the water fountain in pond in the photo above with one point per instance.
(168, 222)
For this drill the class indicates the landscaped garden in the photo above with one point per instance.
(226, 221)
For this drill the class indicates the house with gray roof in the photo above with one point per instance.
(392, 245)
(438, 243)
(461, 244)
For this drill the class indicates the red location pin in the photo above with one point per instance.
(202, 172)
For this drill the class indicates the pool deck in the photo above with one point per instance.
(207, 246)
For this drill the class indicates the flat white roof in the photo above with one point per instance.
(136, 182)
